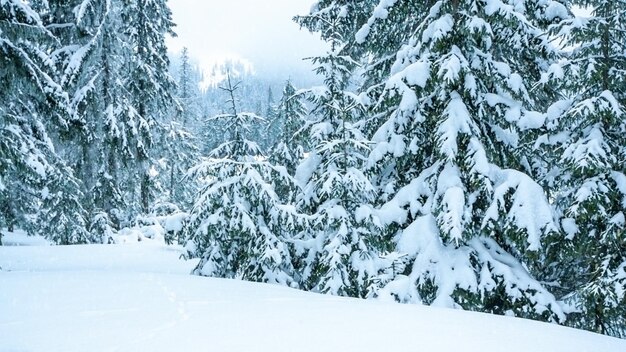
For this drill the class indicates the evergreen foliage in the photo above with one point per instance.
(449, 115)
(145, 25)
(180, 153)
(29, 166)
(342, 255)
(90, 67)
(236, 224)
(289, 122)
(458, 153)
(188, 94)
(589, 138)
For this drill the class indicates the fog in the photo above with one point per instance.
(261, 32)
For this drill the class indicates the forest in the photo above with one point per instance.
(466, 154)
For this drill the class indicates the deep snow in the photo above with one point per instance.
(140, 297)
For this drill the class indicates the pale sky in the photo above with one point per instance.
(260, 31)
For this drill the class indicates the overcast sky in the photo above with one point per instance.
(260, 31)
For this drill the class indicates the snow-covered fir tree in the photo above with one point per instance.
(151, 88)
(588, 134)
(90, 64)
(62, 217)
(178, 148)
(92, 114)
(236, 224)
(342, 244)
(266, 132)
(466, 218)
(289, 121)
(34, 181)
(259, 88)
(188, 94)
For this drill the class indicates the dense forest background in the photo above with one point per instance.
(467, 153)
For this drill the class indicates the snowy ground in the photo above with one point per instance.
(142, 298)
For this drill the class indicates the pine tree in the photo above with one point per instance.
(450, 114)
(589, 137)
(180, 153)
(90, 67)
(33, 105)
(146, 23)
(235, 223)
(188, 95)
(289, 121)
(62, 217)
(341, 245)
(177, 145)
(179, 142)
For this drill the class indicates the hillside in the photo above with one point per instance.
(140, 297)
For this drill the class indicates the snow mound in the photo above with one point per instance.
(19, 238)
(141, 298)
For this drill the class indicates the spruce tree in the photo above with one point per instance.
(236, 224)
(179, 151)
(62, 216)
(188, 95)
(34, 180)
(289, 122)
(145, 25)
(90, 68)
(451, 104)
(341, 246)
(589, 138)
(178, 145)
(266, 133)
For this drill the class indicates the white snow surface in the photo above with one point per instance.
(140, 297)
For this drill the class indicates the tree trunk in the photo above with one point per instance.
(145, 192)
(599, 317)
(172, 181)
